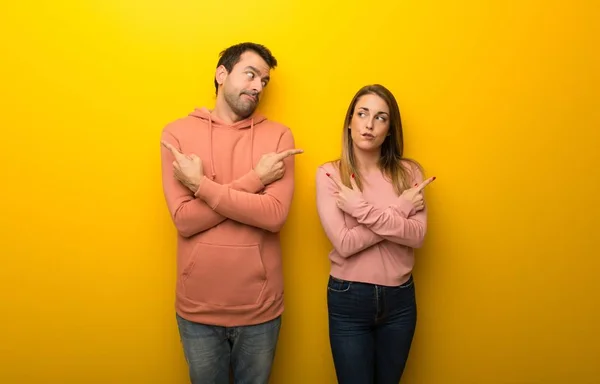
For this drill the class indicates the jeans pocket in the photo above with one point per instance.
(338, 285)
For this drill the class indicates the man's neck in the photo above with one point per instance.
(224, 113)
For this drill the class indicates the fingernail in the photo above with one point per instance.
(353, 175)
(433, 178)
(328, 174)
(416, 184)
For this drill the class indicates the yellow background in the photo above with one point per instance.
(499, 101)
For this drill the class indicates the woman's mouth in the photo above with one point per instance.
(368, 136)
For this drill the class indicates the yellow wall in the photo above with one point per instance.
(500, 102)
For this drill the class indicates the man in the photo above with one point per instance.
(228, 180)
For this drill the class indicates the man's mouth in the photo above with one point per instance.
(251, 97)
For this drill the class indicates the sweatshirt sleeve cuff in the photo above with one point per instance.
(251, 182)
(210, 192)
(359, 208)
(404, 207)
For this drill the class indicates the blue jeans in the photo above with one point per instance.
(210, 351)
(371, 329)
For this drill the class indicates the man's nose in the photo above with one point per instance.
(257, 85)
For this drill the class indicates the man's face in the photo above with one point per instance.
(243, 85)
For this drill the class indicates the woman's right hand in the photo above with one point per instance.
(415, 194)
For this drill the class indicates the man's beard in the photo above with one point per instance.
(241, 107)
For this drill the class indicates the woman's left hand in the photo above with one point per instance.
(347, 199)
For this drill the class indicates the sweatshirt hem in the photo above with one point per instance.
(231, 316)
(400, 279)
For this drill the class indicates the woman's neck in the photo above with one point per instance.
(367, 162)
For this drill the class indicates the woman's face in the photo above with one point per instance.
(370, 123)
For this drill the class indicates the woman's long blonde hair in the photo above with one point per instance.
(391, 163)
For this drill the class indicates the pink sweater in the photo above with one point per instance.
(375, 243)
(229, 268)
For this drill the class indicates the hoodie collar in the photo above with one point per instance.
(214, 122)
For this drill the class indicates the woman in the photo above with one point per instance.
(371, 207)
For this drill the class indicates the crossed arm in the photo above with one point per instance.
(346, 241)
(394, 223)
(190, 214)
(213, 203)
(397, 223)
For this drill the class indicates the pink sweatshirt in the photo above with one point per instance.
(229, 269)
(374, 244)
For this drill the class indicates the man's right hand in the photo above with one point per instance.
(270, 168)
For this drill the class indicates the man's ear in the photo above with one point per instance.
(221, 74)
